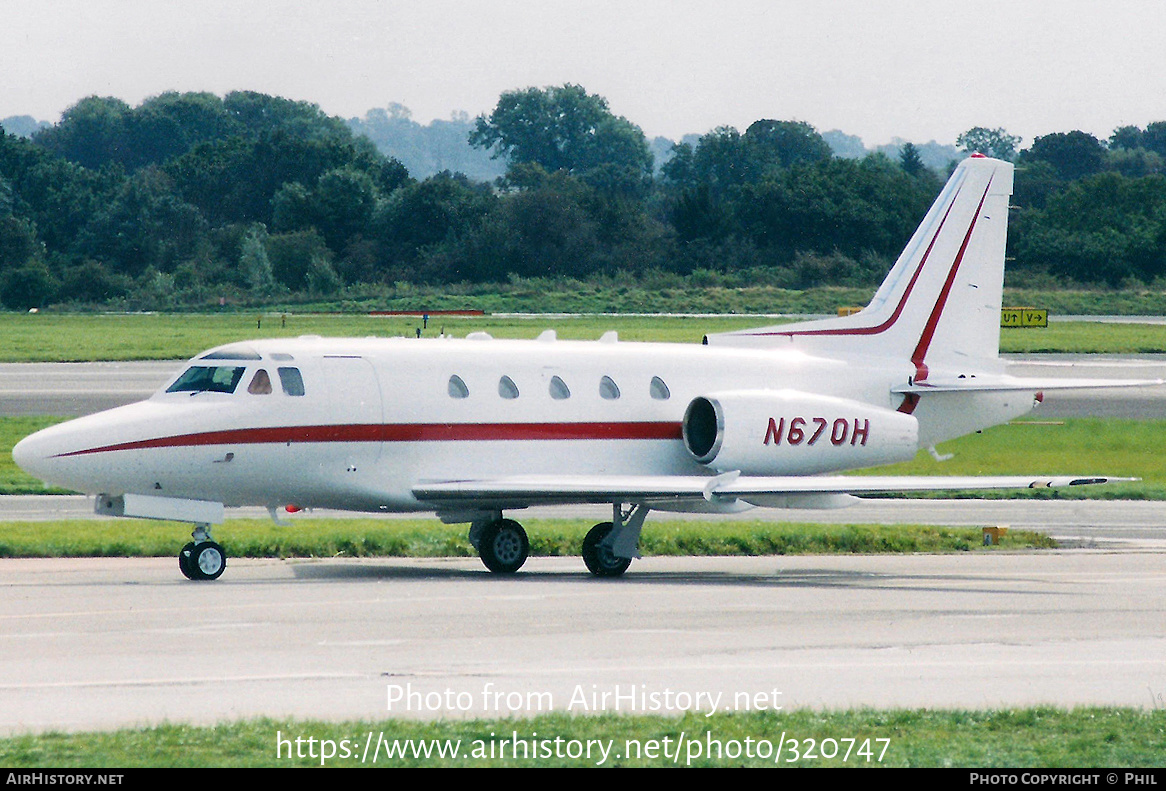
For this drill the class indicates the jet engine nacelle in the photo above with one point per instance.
(788, 432)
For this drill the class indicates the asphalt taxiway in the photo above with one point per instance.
(103, 643)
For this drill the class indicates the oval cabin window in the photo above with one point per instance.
(558, 389)
(608, 388)
(457, 388)
(507, 388)
(659, 389)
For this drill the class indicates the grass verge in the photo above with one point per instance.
(1014, 738)
(316, 538)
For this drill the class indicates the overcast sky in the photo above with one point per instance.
(917, 70)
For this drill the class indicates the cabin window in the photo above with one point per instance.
(292, 381)
(559, 389)
(457, 388)
(260, 383)
(659, 389)
(208, 379)
(608, 388)
(507, 388)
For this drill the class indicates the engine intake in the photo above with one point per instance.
(788, 432)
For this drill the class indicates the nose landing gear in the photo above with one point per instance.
(202, 559)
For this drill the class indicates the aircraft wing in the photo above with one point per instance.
(536, 489)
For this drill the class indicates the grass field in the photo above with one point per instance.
(90, 337)
(1029, 738)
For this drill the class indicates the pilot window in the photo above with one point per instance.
(608, 388)
(208, 379)
(232, 353)
(457, 388)
(291, 381)
(559, 389)
(659, 389)
(260, 383)
(507, 388)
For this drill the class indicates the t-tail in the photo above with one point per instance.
(941, 301)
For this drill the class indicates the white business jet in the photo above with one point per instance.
(470, 429)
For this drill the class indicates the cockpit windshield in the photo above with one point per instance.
(205, 378)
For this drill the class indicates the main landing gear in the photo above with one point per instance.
(202, 559)
(597, 555)
(501, 543)
(608, 548)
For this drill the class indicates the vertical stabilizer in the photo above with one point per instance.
(942, 298)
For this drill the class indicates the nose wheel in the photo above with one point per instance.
(202, 559)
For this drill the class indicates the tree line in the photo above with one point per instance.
(191, 198)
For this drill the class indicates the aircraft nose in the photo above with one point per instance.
(32, 455)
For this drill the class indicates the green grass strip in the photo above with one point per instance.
(1016, 738)
(427, 538)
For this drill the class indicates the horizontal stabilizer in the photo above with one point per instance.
(1008, 384)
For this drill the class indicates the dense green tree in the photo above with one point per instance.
(294, 255)
(990, 142)
(260, 114)
(1154, 138)
(169, 125)
(784, 143)
(718, 162)
(841, 204)
(1105, 228)
(909, 160)
(428, 213)
(145, 225)
(344, 200)
(256, 264)
(93, 132)
(1072, 154)
(29, 286)
(565, 128)
(18, 242)
(1127, 137)
(91, 283)
(724, 158)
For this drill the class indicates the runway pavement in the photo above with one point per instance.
(75, 389)
(101, 643)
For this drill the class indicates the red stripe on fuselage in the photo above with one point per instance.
(403, 432)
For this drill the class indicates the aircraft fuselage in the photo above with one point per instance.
(377, 415)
